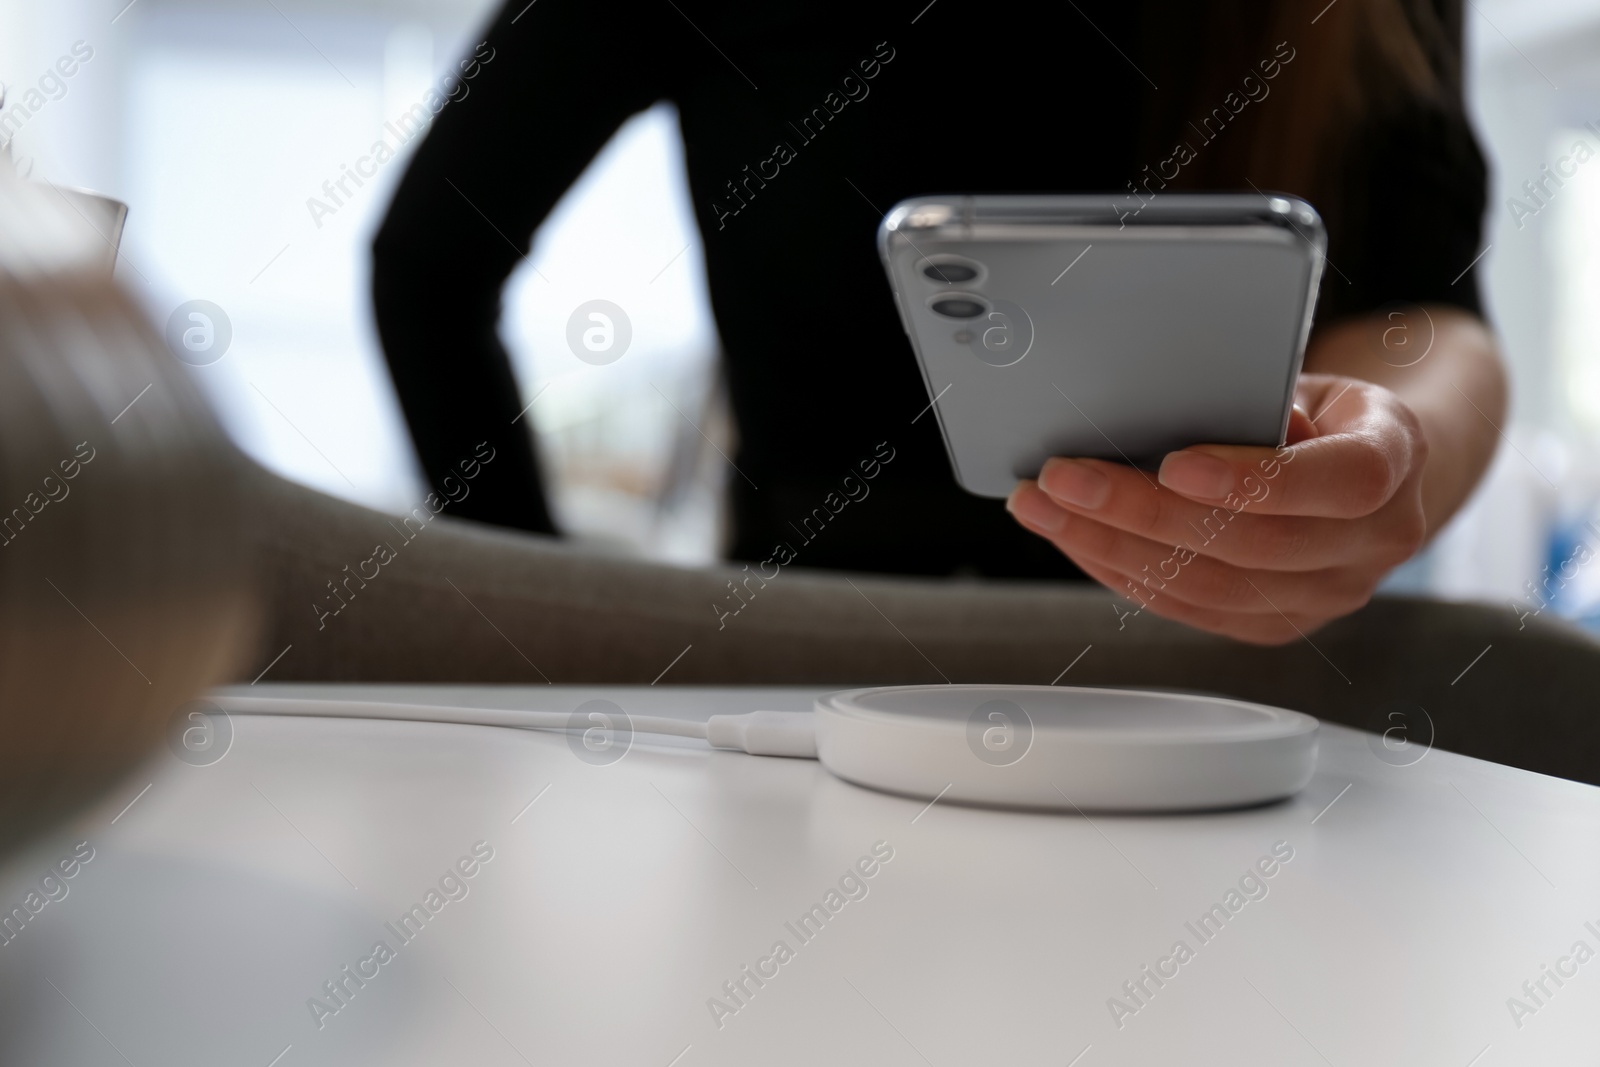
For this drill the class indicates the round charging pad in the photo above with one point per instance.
(1064, 748)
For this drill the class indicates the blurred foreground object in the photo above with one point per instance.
(123, 576)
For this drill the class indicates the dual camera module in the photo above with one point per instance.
(997, 331)
(950, 271)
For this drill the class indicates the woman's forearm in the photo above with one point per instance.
(1445, 365)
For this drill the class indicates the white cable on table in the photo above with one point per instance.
(1113, 749)
(760, 733)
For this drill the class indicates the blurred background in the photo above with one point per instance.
(218, 123)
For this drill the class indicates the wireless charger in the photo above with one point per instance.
(1053, 748)
(1065, 748)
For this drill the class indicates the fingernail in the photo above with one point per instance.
(1036, 511)
(1076, 483)
(1196, 474)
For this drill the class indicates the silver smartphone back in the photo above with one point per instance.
(1076, 326)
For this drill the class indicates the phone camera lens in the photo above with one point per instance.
(950, 273)
(958, 307)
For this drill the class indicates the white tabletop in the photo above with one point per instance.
(620, 898)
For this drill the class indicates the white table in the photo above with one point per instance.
(621, 897)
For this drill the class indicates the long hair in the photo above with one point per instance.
(1356, 65)
(124, 581)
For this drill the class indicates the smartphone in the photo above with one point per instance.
(1088, 326)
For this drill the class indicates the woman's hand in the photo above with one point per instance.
(1259, 544)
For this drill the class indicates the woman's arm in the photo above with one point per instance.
(533, 105)
(1266, 545)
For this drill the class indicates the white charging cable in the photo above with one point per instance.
(760, 733)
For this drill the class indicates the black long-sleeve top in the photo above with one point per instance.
(803, 123)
